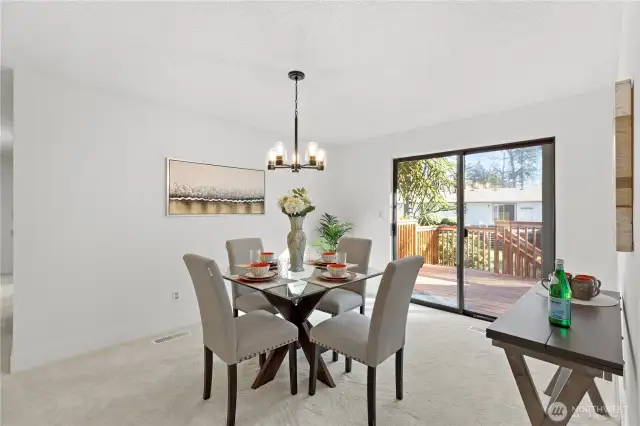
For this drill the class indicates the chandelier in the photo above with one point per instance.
(315, 158)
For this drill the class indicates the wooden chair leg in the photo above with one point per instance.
(233, 394)
(235, 313)
(334, 358)
(208, 372)
(399, 356)
(293, 368)
(371, 395)
(313, 368)
(347, 364)
(362, 309)
(262, 358)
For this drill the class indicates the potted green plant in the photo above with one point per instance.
(331, 229)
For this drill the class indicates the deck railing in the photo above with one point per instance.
(508, 247)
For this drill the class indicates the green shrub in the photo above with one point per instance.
(429, 219)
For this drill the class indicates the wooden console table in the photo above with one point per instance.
(591, 348)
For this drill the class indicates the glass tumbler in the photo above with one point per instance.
(254, 256)
(341, 257)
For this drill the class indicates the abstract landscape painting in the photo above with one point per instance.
(202, 189)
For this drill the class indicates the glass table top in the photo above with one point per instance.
(293, 285)
(296, 290)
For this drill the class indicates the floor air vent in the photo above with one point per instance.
(171, 337)
(478, 329)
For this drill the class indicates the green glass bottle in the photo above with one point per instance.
(560, 297)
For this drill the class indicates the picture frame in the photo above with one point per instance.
(203, 189)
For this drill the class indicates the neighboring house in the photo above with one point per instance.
(486, 205)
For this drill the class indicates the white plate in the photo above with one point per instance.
(250, 276)
(328, 276)
(324, 265)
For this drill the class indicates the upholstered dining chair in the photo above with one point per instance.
(234, 339)
(351, 296)
(244, 298)
(371, 341)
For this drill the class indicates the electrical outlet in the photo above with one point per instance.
(176, 295)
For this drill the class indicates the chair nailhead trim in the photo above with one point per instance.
(340, 352)
(279, 345)
(346, 310)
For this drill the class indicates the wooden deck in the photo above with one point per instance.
(485, 292)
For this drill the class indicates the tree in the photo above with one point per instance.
(423, 185)
(516, 166)
(478, 173)
(524, 164)
(501, 170)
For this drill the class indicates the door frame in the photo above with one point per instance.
(548, 211)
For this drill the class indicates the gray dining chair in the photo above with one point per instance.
(350, 296)
(372, 341)
(243, 298)
(235, 339)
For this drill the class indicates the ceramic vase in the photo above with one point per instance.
(296, 241)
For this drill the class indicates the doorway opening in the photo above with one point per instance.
(483, 219)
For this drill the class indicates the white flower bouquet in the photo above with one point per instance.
(297, 203)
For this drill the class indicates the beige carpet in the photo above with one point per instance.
(453, 376)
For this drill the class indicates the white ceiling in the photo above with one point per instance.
(372, 68)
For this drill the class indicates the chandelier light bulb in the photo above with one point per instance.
(312, 149)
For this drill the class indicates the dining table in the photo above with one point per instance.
(295, 296)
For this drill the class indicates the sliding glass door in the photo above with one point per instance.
(483, 221)
(426, 224)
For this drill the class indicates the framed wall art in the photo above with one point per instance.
(195, 189)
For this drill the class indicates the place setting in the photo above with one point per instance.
(259, 257)
(334, 270)
(337, 272)
(330, 257)
(261, 269)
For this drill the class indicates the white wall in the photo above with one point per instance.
(6, 215)
(629, 263)
(96, 259)
(583, 128)
(478, 214)
(529, 211)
